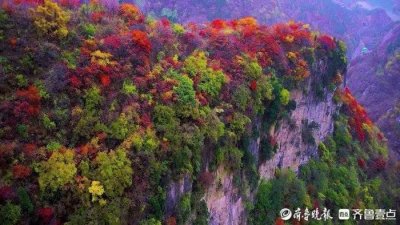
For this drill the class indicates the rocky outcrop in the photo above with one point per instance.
(292, 150)
(225, 204)
(224, 200)
(176, 190)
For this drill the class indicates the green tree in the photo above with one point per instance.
(114, 212)
(184, 209)
(128, 88)
(89, 30)
(157, 202)
(230, 157)
(284, 96)
(25, 200)
(90, 115)
(57, 171)
(263, 204)
(48, 123)
(121, 127)
(239, 123)
(263, 93)
(211, 82)
(242, 97)
(151, 221)
(114, 171)
(195, 64)
(202, 214)
(316, 173)
(325, 154)
(3, 23)
(213, 128)
(53, 146)
(341, 134)
(286, 190)
(92, 98)
(10, 214)
(253, 70)
(184, 90)
(166, 121)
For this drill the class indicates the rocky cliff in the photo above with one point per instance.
(293, 150)
(225, 201)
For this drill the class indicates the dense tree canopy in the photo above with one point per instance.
(102, 108)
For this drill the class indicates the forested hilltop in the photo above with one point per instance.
(108, 116)
(370, 29)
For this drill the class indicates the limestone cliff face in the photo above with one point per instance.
(224, 201)
(292, 150)
(175, 192)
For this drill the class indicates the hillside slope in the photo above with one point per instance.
(111, 117)
(374, 78)
(354, 25)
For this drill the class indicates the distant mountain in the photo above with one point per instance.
(390, 6)
(374, 78)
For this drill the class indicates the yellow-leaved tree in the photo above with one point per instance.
(51, 19)
(57, 171)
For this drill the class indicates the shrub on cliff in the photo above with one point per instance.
(285, 190)
(333, 180)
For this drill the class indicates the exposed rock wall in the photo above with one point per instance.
(175, 192)
(225, 205)
(223, 198)
(292, 151)
(224, 202)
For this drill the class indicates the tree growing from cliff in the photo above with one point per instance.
(286, 190)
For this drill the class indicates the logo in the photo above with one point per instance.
(344, 214)
(286, 214)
